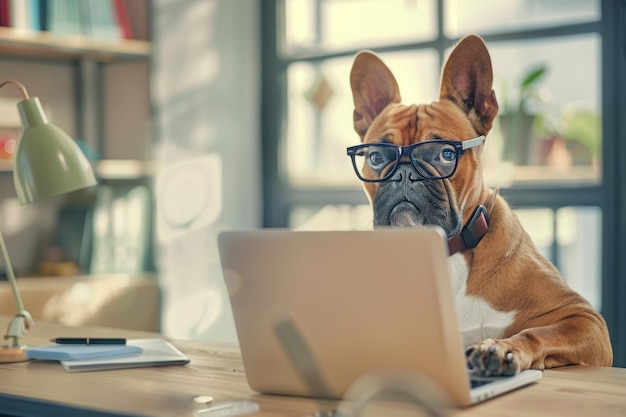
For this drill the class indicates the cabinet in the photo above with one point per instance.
(98, 91)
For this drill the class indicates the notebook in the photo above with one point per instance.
(81, 352)
(154, 352)
(359, 301)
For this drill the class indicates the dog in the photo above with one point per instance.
(514, 308)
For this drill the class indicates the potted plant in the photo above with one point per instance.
(518, 117)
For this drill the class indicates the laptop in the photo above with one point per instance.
(316, 310)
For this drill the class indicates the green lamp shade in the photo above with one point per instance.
(47, 161)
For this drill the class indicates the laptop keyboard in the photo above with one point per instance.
(476, 382)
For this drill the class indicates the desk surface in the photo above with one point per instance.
(45, 388)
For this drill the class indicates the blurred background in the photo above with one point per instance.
(201, 116)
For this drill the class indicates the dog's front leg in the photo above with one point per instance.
(577, 339)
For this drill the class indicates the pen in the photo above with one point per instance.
(89, 341)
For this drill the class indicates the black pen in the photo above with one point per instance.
(89, 341)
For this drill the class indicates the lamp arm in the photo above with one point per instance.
(11, 274)
(19, 85)
(22, 321)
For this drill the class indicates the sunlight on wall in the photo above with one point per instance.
(188, 196)
(205, 78)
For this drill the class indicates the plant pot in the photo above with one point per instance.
(517, 134)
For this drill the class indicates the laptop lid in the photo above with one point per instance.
(360, 301)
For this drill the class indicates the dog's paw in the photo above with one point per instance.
(492, 358)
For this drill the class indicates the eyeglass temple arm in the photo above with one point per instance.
(471, 143)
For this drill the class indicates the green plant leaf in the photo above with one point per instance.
(585, 127)
(533, 76)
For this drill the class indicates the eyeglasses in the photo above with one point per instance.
(432, 159)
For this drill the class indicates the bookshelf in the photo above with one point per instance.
(37, 45)
(98, 58)
(97, 90)
(25, 43)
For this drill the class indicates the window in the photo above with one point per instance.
(554, 149)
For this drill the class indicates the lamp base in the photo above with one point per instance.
(9, 354)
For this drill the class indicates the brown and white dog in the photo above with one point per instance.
(515, 310)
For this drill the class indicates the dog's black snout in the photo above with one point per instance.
(406, 172)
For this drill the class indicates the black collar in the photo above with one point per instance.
(472, 232)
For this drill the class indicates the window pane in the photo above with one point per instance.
(462, 17)
(320, 106)
(576, 247)
(333, 24)
(579, 243)
(548, 130)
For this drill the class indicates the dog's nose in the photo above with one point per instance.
(406, 172)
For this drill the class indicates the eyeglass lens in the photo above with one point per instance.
(432, 160)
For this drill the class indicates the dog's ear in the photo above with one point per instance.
(467, 81)
(373, 88)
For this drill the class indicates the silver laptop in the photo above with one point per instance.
(315, 310)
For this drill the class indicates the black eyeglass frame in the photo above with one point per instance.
(459, 147)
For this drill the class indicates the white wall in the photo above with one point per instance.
(206, 82)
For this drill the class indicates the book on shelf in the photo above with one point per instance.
(64, 17)
(24, 14)
(5, 13)
(19, 14)
(40, 13)
(121, 15)
(98, 19)
(120, 230)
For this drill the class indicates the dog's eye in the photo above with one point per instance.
(378, 159)
(447, 154)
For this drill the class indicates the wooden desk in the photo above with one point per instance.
(46, 389)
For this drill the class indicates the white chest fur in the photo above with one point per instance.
(477, 319)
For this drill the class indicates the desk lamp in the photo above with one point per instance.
(47, 163)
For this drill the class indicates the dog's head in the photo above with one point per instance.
(466, 109)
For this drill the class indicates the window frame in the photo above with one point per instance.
(610, 194)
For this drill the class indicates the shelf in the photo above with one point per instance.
(123, 169)
(46, 45)
(107, 169)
